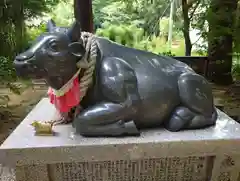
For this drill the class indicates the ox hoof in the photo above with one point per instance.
(131, 129)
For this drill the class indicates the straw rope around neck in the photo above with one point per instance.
(87, 62)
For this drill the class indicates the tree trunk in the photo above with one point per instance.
(83, 13)
(186, 26)
(220, 39)
(19, 26)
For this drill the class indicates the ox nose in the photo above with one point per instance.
(24, 56)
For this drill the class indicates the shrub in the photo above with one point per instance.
(7, 72)
(7, 77)
(128, 35)
(132, 36)
(236, 66)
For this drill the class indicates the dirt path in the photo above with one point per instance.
(230, 103)
(19, 106)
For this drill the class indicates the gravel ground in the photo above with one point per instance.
(6, 174)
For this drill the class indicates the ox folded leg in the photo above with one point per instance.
(115, 117)
(183, 118)
(200, 121)
(106, 119)
(197, 108)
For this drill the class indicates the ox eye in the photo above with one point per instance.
(53, 45)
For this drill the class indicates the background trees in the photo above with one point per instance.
(13, 36)
(201, 27)
(221, 18)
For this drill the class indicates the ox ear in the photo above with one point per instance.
(50, 25)
(74, 33)
(77, 49)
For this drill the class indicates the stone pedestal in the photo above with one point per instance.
(198, 155)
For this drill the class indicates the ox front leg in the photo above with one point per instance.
(106, 119)
(115, 117)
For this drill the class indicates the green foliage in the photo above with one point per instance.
(236, 66)
(114, 13)
(148, 13)
(63, 13)
(168, 53)
(149, 16)
(236, 71)
(7, 40)
(12, 28)
(164, 26)
(141, 13)
(132, 36)
(7, 77)
(14, 37)
(32, 8)
(7, 73)
(99, 14)
(142, 24)
(34, 31)
(123, 34)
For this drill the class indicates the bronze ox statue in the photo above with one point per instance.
(131, 90)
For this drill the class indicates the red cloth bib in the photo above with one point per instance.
(69, 100)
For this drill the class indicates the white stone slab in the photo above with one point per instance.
(22, 147)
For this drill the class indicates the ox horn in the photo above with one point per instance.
(74, 33)
(50, 25)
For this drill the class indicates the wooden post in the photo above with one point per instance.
(83, 13)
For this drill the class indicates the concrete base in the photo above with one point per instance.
(198, 155)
